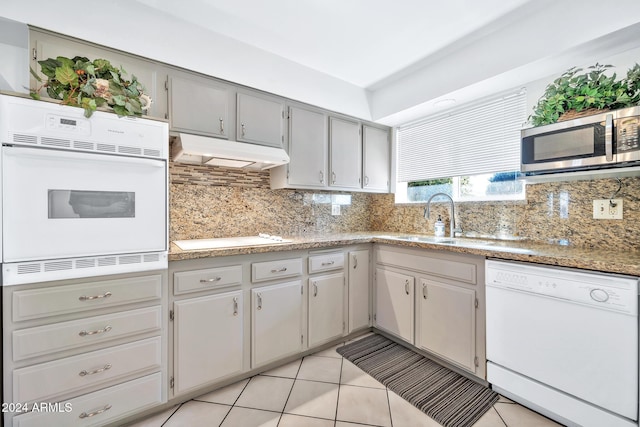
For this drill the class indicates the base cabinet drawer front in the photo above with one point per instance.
(326, 308)
(210, 278)
(327, 262)
(47, 380)
(263, 271)
(446, 322)
(276, 322)
(465, 272)
(65, 299)
(49, 339)
(101, 407)
(208, 339)
(394, 303)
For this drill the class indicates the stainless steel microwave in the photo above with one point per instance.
(605, 140)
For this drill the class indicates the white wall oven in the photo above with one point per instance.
(80, 197)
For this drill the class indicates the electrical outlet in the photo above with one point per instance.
(603, 209)
(335, 209)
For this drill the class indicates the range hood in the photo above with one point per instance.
(202, 150)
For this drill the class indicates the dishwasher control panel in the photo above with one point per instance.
(618, 293)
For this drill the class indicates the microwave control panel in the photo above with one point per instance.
(627, 135)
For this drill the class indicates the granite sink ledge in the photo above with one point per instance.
(606, 260)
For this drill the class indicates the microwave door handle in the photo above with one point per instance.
(608, 137)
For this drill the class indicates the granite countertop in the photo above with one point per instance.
(623, 262)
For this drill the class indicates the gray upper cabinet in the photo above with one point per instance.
(375, 164)
(260, 119)
(308, 148)
(345, 148)
(149, 74)
(199, 105)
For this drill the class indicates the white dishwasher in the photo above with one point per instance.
(564, 342)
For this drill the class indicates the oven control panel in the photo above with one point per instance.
(68, 124)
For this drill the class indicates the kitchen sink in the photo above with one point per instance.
(442, 240)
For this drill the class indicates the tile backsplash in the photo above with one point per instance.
(207, 202)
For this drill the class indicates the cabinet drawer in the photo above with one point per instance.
(57, 300)
(261, 271)
(100, 407)
(77, 333)
(47, 380)
(210, 278)
(326, 262)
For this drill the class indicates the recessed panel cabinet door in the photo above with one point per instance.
(447, 315)
(326, 308)
(260, 120)
(308, 148)
(359, 301)
(376, 164)
(276, 322)
(394, 303)
(208, 339)
(198, 105)
(346, 153)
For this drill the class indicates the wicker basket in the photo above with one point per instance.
(573, 114)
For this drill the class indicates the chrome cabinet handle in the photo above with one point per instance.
(608, 137)
(97, 331)
(90, 298)
(355, 261)
(321, 177)
(333, 177)
(98, 412)
(215, 279)
(221, 125)
(96, 371)
(366, 180)
(315, 289)
(424, 291)
(243, 129)
(324, 264)
(235, 306)
(281, 270)
(406, 286)
(259, 302)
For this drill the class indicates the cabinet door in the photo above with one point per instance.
(447, 322)
(208, 339)
(394, 303)
(308, 148)
(198, 105)
(150, 75)
(260, 120)
(346, 153)
(359, 301)
(326, 308)
(276, 322)
(375, 166)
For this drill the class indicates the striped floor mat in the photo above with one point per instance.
(447, 397)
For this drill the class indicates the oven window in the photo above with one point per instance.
(91, 204)
(560, 145)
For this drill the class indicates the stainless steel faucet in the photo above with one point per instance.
(452, 223)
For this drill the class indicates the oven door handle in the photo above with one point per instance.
(46, 153)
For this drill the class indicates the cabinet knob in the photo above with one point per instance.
(215, 279)
(95, 371)
(333, 177)
(242, 129)
(366, 180)
(355, 261)
(221, 125)
(424, 291)
(97, 412)
(235, 306)
(259, 302)
(321, 177)
(93, 297)
(315, 289)
(97, 331)
(406, 286)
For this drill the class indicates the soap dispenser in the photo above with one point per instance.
(438, 227)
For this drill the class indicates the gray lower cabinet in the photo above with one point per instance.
(447, 292)
(326, 308)
(208, 339)
(359, 295)
(260, 119)
(276, 322)
(199, 105)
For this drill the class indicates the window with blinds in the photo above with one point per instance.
(481, 139)
(472, 153)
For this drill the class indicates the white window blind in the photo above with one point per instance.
(481, 139)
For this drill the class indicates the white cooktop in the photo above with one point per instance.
(228, 242)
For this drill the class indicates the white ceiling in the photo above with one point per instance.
(386, 61)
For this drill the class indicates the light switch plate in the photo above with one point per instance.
(602, 209)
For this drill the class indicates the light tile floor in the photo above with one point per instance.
(321, 390)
